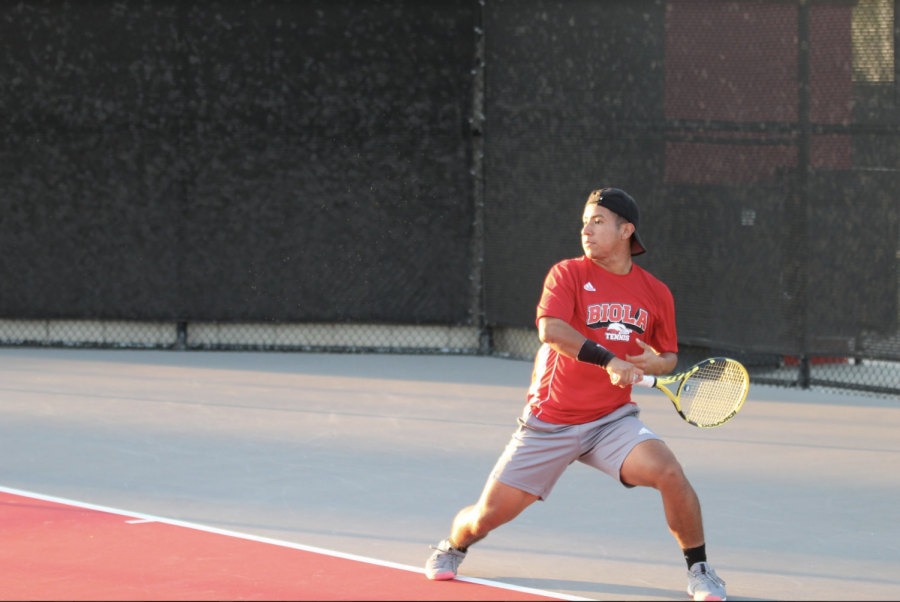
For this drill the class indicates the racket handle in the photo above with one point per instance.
(645, 381)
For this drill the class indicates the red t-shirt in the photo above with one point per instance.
(607, 308)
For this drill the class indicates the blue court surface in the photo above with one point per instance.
(373, 455)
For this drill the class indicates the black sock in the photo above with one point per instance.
(695, 555)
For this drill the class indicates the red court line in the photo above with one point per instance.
(54, 551)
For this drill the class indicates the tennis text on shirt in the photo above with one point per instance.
(611, 310)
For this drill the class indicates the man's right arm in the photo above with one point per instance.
(566, 340)
(560, 336)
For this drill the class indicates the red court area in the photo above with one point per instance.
(52, 551)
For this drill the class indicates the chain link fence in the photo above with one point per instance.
(336, 189)
(341, 337)
(858, 374)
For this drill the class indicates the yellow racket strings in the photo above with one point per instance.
(713, 393)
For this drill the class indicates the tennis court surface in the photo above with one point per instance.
(138, 475)
(64, 550)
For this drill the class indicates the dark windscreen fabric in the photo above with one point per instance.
(258, 160)
(692, 106)
(560, 88)
(312, 161)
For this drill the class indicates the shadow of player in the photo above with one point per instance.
(608, 589)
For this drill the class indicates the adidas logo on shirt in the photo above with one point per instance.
(644, 431)
(590, 287)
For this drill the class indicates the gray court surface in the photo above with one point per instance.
(374, 454)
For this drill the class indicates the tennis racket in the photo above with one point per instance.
(709, 394)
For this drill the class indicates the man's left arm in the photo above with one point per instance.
(652, 362)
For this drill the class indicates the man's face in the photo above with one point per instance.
(600, 236)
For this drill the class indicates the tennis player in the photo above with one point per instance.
(603, 322)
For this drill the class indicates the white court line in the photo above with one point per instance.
(140, 521)
(277, 542)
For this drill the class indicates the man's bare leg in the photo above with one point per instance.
(652, 464)
(498, 505)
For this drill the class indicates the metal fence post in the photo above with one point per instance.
(476, 135)
(802, 208)
(181, 336)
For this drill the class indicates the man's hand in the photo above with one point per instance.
(622, 373)
(651, 362)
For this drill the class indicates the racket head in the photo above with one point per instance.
(713, 392)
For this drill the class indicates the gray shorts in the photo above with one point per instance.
(539, 452)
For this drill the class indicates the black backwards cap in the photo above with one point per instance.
(621, 203)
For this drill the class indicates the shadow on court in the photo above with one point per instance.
(609, 591)
(602, 590)
(430, 368)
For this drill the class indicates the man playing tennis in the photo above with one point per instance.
(603, 322)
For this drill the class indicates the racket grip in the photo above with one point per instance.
(645, 381)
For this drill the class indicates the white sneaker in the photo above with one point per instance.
(444, 563)
(703, 584)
